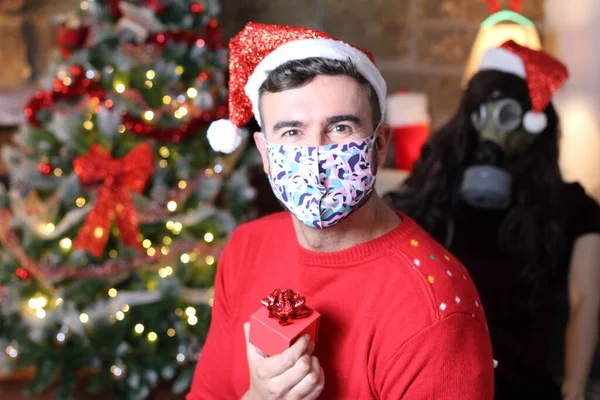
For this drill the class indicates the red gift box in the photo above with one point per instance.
(278, 323)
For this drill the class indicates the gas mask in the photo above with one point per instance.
(486, 184)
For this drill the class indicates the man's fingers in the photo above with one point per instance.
(292, 370)
(254, 354)
(285, 382)
(311, 384)
(316, 392)
(279, 363)
(247, 331)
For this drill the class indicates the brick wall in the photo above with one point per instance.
(421, 45)
(28, 38)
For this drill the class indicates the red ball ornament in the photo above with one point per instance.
(57, 85)
(221, 112)
(202, 76)
(113, 8)
(22, 274)
(214, 37)
(45, 168)
(75, 70)
(95, 90)
(70, 39)
(197, 8)
(155, 5)
(42, 99)
(161, 38)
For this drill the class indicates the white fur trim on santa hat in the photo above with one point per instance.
(499, 59)
(535, 122)
(223, 136)
(307, 48)
(405, 109)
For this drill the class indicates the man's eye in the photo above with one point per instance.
(292, 132)
(341, 128)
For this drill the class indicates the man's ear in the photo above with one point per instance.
(262, 149)
(383, 139)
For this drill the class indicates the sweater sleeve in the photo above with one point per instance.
(212, 375)
(450, 359)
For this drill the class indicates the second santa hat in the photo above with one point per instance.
(543, 73)
(261, 48)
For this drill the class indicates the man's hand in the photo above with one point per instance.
(294, 374)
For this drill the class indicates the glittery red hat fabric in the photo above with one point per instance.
(545, 74)
(247, 49)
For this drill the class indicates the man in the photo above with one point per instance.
(400, 316)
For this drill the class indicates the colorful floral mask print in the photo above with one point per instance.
(321, 185)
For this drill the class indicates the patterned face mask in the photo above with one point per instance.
(321, 185)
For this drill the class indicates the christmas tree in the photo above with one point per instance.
(120, 201)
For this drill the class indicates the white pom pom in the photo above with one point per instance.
(535, 122)
(224, 136)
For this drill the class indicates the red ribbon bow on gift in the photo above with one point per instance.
(119, 177)
(286, 306)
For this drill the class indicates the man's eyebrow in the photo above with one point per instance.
(287, 124)
(341, 118)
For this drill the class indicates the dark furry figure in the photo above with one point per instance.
(518, 256)
(431, 194)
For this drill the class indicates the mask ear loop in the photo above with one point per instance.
(264, 136)
(375, 135)
(376, 130)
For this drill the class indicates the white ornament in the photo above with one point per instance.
(224, 136)
(204, 100)
(44, 213)
(128, 25)
(143, 16)
(108, 121)
(141, 21)
(535, 122)
(65, 125)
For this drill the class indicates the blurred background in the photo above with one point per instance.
(421, 46)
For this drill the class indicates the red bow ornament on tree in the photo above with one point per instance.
(286, 306)
(118, 178)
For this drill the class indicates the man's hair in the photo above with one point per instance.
(297, 73)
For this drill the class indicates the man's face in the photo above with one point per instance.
(327, 110)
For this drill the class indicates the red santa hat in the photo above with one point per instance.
(261, 48)
(543, 73)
